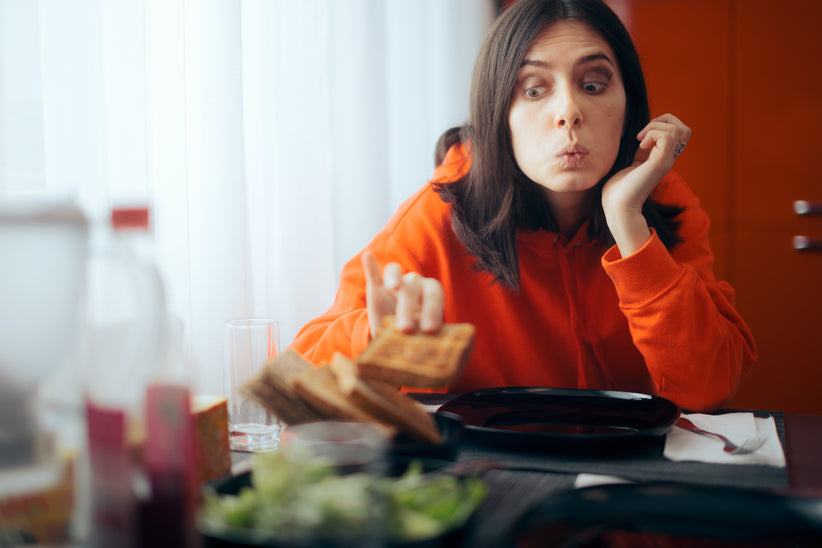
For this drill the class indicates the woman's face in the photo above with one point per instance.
(567, 111)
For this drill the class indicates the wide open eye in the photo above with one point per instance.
(594, 87)
(534, 92)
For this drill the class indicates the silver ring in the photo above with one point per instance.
(679, 148)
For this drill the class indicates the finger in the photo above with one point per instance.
(374, 292)
(666, 139)
(392, 276)
(655, 126)
(682, 132)
(656, 138)
(668, 118)
(658, 148)
(409, 300)
(432, 306)
(371, 268)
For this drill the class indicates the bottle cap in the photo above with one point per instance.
(129, 217)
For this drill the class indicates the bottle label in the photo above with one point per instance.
(168, 521)
(113, 505)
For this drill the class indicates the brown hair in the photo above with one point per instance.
(495, 198)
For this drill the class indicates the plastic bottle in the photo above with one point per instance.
(138, 421)
(167, 516)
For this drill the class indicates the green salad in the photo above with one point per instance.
(299, 502)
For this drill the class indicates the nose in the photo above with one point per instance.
(569, 114)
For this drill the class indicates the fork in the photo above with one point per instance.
(748, 446)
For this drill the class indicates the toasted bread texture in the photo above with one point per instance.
(384, 401)
(366, 389)
(318, 388)
(272, 388)
(417, 359)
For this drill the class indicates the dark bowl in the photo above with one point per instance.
(240, 538)
(452, 429)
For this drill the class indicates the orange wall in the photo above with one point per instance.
(744, 75)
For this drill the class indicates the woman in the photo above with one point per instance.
(554, 225)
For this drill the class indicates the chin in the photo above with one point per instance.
(568, 183)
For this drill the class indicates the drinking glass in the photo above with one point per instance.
(348, 446)
(357, 452)
(249, 344)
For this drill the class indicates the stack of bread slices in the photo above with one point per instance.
(366, 388)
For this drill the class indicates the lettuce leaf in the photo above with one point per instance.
(295, 502)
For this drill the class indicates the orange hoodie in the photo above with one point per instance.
(655, 322)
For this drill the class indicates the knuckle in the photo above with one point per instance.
(411, 279)
(433, 288)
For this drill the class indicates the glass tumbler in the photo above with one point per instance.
(249, 344)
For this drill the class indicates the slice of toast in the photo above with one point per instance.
(318, 388)
(384, 401)
(417, 359)
(272, 388)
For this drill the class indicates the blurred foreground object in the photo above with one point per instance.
(211, 427)
(43, 253)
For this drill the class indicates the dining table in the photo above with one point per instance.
(520, 481)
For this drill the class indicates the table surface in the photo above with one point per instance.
(525, 478)
(531, 477)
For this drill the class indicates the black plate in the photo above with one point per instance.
(554, 418)
(672, 514)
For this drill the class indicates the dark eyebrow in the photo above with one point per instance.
(595, 57)
(533, 63)
(581, 61)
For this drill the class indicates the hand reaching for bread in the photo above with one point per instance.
(416, 302)
(367, 388)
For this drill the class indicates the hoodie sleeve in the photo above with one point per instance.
(344, 327)
(696, 346)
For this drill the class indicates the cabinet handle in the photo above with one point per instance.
(804, 243)
(807, 207)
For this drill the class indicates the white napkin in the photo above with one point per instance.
(681, 444)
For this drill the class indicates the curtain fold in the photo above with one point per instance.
(271, 138)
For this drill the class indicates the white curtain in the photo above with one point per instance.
(271, 138)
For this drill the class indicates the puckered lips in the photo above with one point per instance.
(571, 155)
